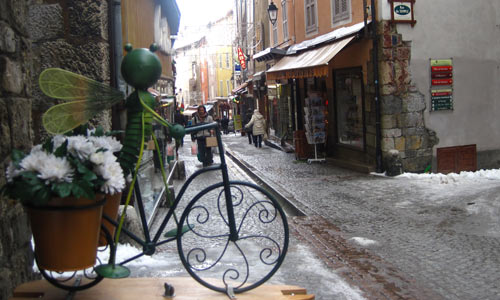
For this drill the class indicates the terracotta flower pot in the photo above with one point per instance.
(110, 209)
(66, 232)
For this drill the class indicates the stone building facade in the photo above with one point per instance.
(402, 106)
(35, 35)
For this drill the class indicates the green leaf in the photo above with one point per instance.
(41, 197)
(114, 132)
(62, 189)
(89, 176)
(101, 150)
(23, 192)
(99, 131)
(62, 150)
(31, 178)
(17, 156)
(82, 188)
(48, 146)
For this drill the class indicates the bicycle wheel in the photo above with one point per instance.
(215, 261)
(81, 279)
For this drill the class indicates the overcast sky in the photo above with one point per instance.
(201, 12)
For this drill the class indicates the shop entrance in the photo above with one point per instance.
(350, 108)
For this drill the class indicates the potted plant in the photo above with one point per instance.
(63, 183)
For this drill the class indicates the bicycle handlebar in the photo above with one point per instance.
(196, 128)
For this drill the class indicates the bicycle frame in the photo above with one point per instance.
(149, 244)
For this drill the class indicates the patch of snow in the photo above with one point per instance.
(363, 241)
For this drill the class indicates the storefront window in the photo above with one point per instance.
(350, 107)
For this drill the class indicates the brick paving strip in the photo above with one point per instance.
(374, 276)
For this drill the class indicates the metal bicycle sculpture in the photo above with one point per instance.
(232, 235)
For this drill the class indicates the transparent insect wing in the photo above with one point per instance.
(91, 97)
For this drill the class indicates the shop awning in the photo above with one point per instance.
(311, 63)
(268, 54)
(240, 89)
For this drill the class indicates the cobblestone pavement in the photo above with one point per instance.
(428, 243)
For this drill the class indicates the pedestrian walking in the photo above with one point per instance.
(181, 120)
(258, 125)
(225, 123)
(205, 152)
(246, 120)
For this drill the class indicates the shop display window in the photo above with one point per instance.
(350, 107)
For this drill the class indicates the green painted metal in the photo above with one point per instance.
(112, 271)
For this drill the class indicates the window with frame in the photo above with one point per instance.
(341, 11)
(275, 33)
(220, 61)
(228, 88)
(227, 60)
(311, 19)
(221, 88)
(284, 15)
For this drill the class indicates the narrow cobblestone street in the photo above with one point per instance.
(302, 266)
(425, 241)
(365, 236)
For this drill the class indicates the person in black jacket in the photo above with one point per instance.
(224, 124)
(246, 120)
(179, 119)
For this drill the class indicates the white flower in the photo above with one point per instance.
(90, 132)
(34, 161)
(49, 167)
(98, 158)
(106, 142)
(114, 144)
(58, 140)
(113, 176)
(36, 148)
(80, 147)
(12, 172)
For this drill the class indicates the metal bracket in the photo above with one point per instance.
(71, 294)
(230, 292)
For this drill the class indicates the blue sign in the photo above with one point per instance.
(237, 68)
(402, 9)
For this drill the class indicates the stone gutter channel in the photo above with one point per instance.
(291, 208)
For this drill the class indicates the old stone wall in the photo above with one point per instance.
(402, 105)
(72, 35)
(34, 35)
(16, 257)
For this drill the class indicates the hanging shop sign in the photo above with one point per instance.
(402, 11)
(441, 84)
(242, 59)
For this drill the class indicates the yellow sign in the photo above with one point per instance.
(237, 122)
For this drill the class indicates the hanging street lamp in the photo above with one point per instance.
(273, 12)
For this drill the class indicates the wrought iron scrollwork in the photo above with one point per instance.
(207, 251)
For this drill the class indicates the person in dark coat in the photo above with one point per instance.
(225, 124)
(205, 152)
(181, 120)
(246, 120)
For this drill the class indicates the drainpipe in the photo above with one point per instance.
(115, 40)
(378, 129)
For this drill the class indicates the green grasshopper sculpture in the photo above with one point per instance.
(141, 69)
